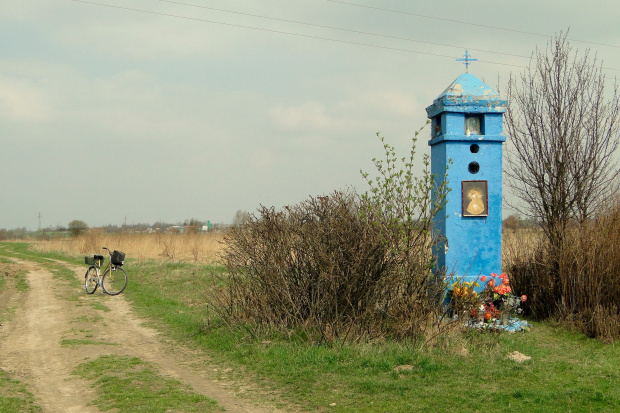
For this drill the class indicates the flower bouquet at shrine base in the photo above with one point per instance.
(495, 306)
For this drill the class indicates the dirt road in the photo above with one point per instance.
(48, 316)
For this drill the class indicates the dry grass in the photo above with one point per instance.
(519, 245)
(195, 247)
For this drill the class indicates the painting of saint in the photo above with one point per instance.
(475, 198)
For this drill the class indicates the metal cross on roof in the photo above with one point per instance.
(467, 61)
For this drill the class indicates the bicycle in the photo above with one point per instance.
(114, 278)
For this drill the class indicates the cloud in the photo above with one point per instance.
(262, 159)
(22, 100)
(309, 115)
(356, 109)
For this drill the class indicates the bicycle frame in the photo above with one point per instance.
(107, 266)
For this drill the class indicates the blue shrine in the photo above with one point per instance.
(466, 122)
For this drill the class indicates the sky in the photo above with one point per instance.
(137, 111)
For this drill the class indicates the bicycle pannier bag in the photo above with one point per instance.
(118, 258)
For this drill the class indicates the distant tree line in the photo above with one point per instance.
(77, 227)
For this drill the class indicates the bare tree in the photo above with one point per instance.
(240, 218)
(564, 128)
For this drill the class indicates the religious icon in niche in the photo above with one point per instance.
(475, 199)
(473, 125)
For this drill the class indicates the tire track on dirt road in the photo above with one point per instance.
(31, 347)
(32, 351)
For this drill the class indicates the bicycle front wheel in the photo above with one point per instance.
(114, 280)
(91, 281)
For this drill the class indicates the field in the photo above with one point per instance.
(466, 371)
(195, 247)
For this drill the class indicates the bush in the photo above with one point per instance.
(77, 227)
(580, 283)
(320, 268)
(342, 267)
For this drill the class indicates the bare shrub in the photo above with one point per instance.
(581, 285)
(169, 244)
(342, 267)
(321, 268)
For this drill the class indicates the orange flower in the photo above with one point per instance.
(502, 289)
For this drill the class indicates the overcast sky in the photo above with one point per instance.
(135, 111)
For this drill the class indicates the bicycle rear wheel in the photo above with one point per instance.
(91, 280)
(114, 280)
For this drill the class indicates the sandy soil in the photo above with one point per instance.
(31, 349)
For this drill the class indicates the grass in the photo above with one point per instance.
(568, 372)
(100, 306)
(128, 384)
(467, 372)
(20, 281)
(74, 342)
(14, 396)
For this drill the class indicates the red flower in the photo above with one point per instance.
(493, 275)
(483, 278)
(491, 284)
(524, 298)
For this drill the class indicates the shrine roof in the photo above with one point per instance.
(468, 93)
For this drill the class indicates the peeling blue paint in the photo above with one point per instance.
(474, 241)
(468, 94)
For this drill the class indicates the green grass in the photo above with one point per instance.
(74, 342)
(20, 281)
(568, 371)
(14, 396)
(465, 372)
(100, 306)
(128, 384)
(23, 250)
